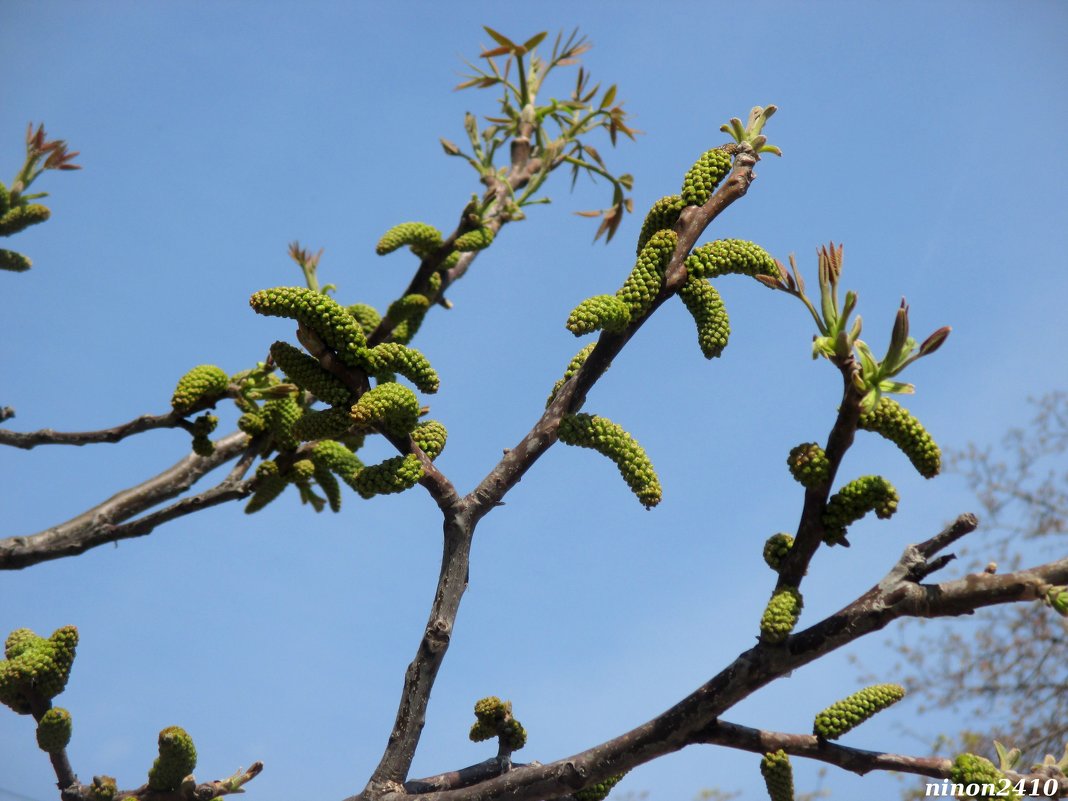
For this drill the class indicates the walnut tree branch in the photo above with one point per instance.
(571, 396)
(419, 678)
(146, 422)
(106, 522)
(685, 723)
(855, 760)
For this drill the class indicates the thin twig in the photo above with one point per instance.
(47, 436)
(205, 791)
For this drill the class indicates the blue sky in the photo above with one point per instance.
(928, 137)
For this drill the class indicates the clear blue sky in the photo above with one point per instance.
(928, 137)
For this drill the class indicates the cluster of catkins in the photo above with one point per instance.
(657, 244)
(17, 214)
(36, 669)
(493, 718)
(284, 421)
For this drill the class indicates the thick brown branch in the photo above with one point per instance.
(454, 779)
(102, 523)
(421, 673)
(692, 718)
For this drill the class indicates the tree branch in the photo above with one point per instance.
(47, 436)
(855, 760)
(571, 396)
(419, 677)
(692, 718)
(205, 791)
(101, 524)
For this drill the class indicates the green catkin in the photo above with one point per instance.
(54, 730)
(731, 257)
(479, 239)
(269, 485)
(205, 382)
(605, 312)
(405, 316)
(704, 176)
(609, 439)
(252, 423)
(14, 262)
(492, 710)
(417, 234)
(781, 615)
(322, 424)
(430, 436)
(392, 408)
(328, 484)
(204, 425)
(643, 284)
(22, 217)
(894, 422)
(494, 719)
(971, 769)
(512, 735)
(366, 316)
(35, 666)
(393, 475)
(314, 310)
(177, 758)
(203, 446)
(847, 714)
(281, 414)
(1057, 598)
(447, 263)
(776, 548)
(663, 214)
(306, 372)
(705, 305)
(301, 470)
(573, 367)
(778, 775)
(103, 788)
(480, 732)
(339, 460)
(853, 501)
(599, 791)
(809, 465)
(408, 362)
